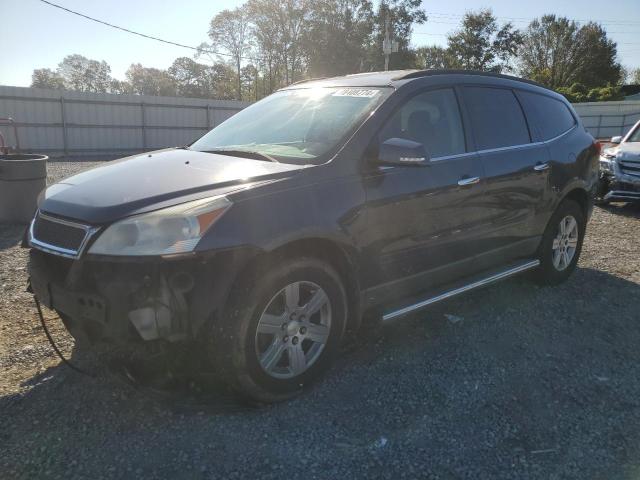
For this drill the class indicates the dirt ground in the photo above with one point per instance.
(512, 381)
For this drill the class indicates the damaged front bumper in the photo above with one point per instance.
(124, 300)
(619, 180)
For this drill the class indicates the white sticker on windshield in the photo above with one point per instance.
(355, 92)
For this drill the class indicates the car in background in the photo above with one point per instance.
(265, 241)
(620, 169)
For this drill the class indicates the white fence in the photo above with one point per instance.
(61, 123)
(608, 119)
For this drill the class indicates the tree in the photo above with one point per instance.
(481, 44)
(191, 79)
(337, 37)
(402, 14)
(120, 86)
(150, 81)
(229, 30)
(84, 75)
(599, 67)
(434, 57)
(558, 53)
(46, 78)
(634, 77)
(223, 81)
(578, 92)
(266, 38)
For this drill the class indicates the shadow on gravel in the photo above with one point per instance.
(631, 210)
(11, 234)
(512, 381)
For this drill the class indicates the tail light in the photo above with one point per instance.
(598, 146)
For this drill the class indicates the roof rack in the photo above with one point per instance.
(426, 73)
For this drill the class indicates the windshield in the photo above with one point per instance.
(295, 126)
(635, 136)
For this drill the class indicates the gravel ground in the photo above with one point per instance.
(513, 381)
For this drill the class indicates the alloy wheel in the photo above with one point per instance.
(565, 243)
(293, 330)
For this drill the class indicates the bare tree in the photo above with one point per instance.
(229, 30)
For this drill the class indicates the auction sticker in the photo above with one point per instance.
(355, 92)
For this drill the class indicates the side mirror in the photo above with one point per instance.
(402, 152)
(616, 139)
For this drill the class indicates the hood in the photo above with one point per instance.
(154, 180)
(629, 151)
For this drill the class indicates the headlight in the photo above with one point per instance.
(175, 229)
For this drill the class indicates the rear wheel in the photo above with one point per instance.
(281, 329)
(561, 244)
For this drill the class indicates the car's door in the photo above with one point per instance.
(516, 169)
(552, 122)
(423, 222)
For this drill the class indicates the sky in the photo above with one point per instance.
(36, 35)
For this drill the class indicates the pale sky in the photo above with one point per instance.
(36, 35)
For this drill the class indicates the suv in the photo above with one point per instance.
(620, 169)
(267, 239)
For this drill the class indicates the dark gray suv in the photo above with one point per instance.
(268, 238)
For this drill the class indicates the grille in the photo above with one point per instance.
(630, 168)
(59, 234)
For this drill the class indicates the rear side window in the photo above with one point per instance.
(496, 118)
(431, 118)
(550, 117)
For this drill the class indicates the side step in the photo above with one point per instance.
(513, 269)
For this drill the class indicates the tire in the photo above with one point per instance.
(248, 329)
(554, 267)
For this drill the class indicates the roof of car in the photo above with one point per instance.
(394, 78)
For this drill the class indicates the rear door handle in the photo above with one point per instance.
(463, 182)
(541, 167)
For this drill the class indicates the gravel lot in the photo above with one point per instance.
(513, 381)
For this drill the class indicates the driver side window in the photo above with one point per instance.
(431, 118)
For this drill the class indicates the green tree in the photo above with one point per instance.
(223, 81)
(558, 52)
(84, 75)
(482, 44)
(434, 57)
(46, 78)
(191, 79)
(338, 36)
(120, 87)
(402, 14)
(150, 81)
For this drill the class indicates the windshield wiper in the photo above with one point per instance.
(243, 153)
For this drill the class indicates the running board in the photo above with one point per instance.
(518, 268)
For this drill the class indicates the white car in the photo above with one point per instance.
(620, 169)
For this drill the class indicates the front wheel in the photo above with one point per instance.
(281, 329)
(561, 244)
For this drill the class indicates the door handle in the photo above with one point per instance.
(541, 167)
(463, 182)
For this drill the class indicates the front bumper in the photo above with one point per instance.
(129, 300)
(616, 185)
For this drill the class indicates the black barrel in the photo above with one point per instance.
(22, 178)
